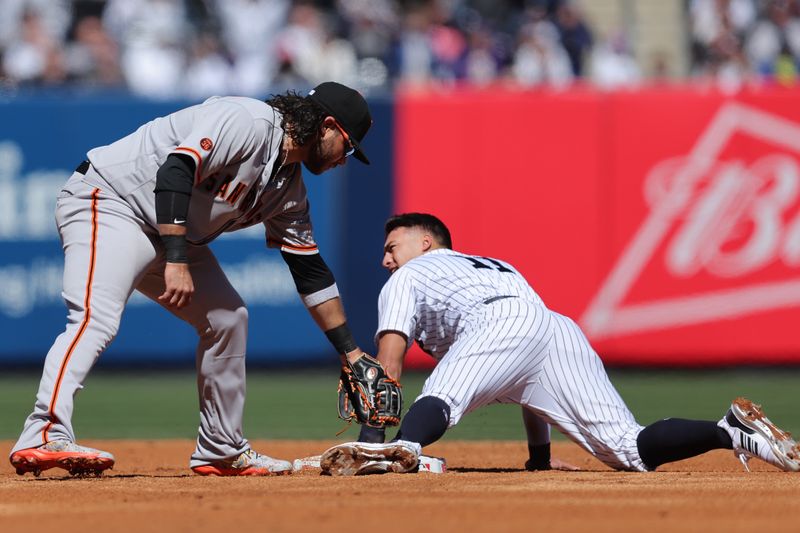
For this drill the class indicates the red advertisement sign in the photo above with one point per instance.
(666, 221)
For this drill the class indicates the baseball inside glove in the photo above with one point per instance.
(367, 394)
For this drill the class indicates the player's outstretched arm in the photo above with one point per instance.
(538, 431)
(366, 393)
(330, 317)
(317, 288)
(392, 346)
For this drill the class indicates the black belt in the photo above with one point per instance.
(82, 168)
(496, 298)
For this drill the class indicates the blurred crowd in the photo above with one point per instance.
(195, 48)
(737, 41)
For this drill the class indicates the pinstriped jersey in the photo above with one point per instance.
(434, 297)
(239, 180)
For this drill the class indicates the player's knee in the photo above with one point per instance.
(242, 315)
(444, 404)
(100, 324)
(623, 454)
(426, 421)
(229, 322)
(102, 330)
(435, 406)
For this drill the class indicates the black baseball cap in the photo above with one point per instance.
(349, 109)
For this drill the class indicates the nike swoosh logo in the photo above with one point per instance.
(179, 221)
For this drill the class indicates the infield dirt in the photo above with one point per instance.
(484, 489)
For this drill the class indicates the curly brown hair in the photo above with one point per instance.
(301, 116)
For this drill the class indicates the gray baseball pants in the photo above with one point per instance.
(109, 252)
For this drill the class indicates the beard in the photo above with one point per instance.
(317, 161)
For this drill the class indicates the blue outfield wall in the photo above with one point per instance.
(42, 140)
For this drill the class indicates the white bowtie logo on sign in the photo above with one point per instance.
(720, 218)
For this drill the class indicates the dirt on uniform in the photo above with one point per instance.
(484, 489)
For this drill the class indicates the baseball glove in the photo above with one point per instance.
(367, 394)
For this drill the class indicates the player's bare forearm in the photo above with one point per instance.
(171, 229)
(537, 429)
(329, 315)
(391, 353)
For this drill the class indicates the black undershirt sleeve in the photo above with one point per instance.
(174, 181)
(310, 273)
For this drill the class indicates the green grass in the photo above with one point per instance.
(295, 405)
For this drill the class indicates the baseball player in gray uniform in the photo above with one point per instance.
(497, 342)
(139, 213)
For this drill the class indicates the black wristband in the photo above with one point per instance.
(341, 338)
(175, 246)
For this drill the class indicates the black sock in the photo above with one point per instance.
(372, 434)
(673, 439)
(538, 457)
(425, 422)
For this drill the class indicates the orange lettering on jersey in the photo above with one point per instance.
(236, 193)
(223, 189)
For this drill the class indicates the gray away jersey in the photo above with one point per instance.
(433, 297)
(235, 143)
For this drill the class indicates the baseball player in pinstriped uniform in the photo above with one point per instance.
(139, 213)
(497, 342)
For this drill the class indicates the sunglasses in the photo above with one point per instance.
(350, 149)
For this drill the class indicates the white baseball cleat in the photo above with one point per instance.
(362, 458)
(754, 435)
(249, 463)
(427, 464)
(76, 459)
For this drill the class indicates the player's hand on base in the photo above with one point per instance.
(558, 464)
(178, 286)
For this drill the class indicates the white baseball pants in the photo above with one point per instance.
(523, 353)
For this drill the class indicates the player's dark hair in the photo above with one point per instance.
(425, 221)
(302, 118)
